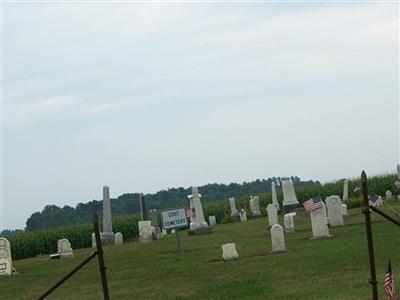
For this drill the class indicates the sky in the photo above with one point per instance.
(144, 97)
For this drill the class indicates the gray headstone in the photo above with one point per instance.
(154, 218)
(335, 213)
(119, 239)
(212, 220)
(145, 231)
(143, 209)
(319, 222)
(290, 202)
(229, 251)
(243, 215)
(272, 215)
(64, 248)
(277, 238)
(5, 257)
(255, 207)
(288, 222)
(197, 219)
(275, 202)
(107, 236)
(346, 190)
(234, 212)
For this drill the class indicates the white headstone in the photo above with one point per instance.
(119, 239)
(145, 231)
(232, 204)
(335, 213)
(277, 238)
(243, 215)
(255, 206)
(107, 236)
(346, 190)
(272, 215)
(93, 240)
(197, 219)
(319, 222)
(212, 220)
(64, 248)
(344, 210)
(275, 202)
(289, 195)
(229, 251)
(288, 222)
(5, 257)
(388, 195)
(164, 231)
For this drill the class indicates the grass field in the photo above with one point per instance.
(330, 268)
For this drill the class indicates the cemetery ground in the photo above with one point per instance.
(327, 268)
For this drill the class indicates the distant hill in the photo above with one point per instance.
(53, 216)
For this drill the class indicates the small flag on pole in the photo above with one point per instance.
(313, 204)
(191, 212)
(375, 201)
(389, 287)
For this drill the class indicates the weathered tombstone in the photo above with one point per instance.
(5, 257)
(335, 213)
(93, 240)
(145, 231)
(275, 202)
(234, 213)
(255, 207)
(229, 251)
(64, 248)
(119, 239)
(107, 236)
(164, 231)
(277, 238)
(346, 190)
(319, 222)
(272, 215)
(156, 231)
(198, 225)
(143, 209)
(288, 223)
(290, 202)
(344, 210)
(243, 215)
(388, 195)
(212, 220)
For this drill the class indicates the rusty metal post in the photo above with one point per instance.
(62, 280)
(366, 211)
(386, 216)
(102, 266)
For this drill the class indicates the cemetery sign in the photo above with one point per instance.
(174, 218)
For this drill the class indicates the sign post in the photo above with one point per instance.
(175, 219)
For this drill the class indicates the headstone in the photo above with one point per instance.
(64, 248)
(277, 238)
(93, 240)
(154, 218)
(346, 190)
(275, 202)
(255, 207)
(229, 251)
(344, 210)
(290, 202)
(319, 222)
(243, 215)
(145, 231)
(234, 213)
(119, 239)
(107, 236)
(388, 195)
(198, 225)
(288, 223)
(143, 209)
(335, 213)
(272, 215)
(212, 220)
(156, 233)
(172, 231)
(164, 231)
(5, 257)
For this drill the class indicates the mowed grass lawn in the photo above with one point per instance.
(329, 268)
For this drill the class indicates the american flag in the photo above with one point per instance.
(389, 287)
(313, 204)
(190, 212)
(375, 201)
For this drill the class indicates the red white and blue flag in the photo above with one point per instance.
(375, 201)
(313, 204)
(389, 287)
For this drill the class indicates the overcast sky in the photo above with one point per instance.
(144, 97)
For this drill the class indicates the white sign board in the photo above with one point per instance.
(174, 218)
